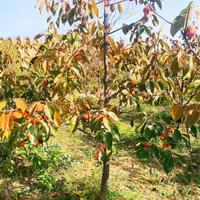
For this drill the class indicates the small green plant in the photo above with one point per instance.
(46, 181)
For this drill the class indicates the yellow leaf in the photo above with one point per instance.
(119, 6)
(89, 10)
(17, 115)
(20, 103)
(6, 134)
(181, 57)
(112, 116)
(5, 121)
(45, 66)
(2, 104)
(92, 27)
(32, 107)
(176, 112)
(57, 118)
(42, 4)
(95, 8)
(2, 120)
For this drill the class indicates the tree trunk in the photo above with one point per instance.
(104, 180)
(105, 58)
(106, 161)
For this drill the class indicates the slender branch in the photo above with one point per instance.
(118, 2)
(140, 20)
(190, 99)
(162, 18)
(7, 111)
(105, 56)
(115, 93)
(83, 131)
(99, 2)
(112, 3)
(115, 30)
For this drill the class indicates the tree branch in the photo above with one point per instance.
(118, 2)
(112, 3)
(99, 2)
(140, 20)
(162, 18)
(105, 56)
(115, 93)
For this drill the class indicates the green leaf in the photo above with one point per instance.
(175, 67)
(53, 131)
(177, 135)
(34, 132)
(71, 17)
(177, 24)
(126, 28)
(168, 163)
(194, 131)
(155, 150)
(147, 30)
(142, 127)
(73, 124)
(48, 111)
(115, 132)
(152, 86)
(159, 128)
(45, 125)
(95, 125)
(149, 133)
(107, 124)
(142, 154)
(108, 140)
(159, 3)
(142, 87)
(102, 156)
(166, 119)
(161, 85)
(197, 97)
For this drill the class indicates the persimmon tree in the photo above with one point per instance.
(87, 16)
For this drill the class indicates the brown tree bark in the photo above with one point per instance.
(106, 161)
(104, 180)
